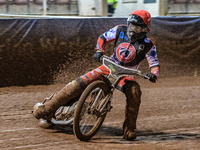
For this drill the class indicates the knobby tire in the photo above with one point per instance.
(80, 106)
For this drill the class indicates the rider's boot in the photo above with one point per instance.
(70, 91)
(133, 100)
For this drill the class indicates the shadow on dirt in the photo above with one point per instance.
(148, 135)
(164, 136)
(62, 129)
(116, 134)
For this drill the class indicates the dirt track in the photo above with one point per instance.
(169, 119)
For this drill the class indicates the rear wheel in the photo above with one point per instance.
(89, 116)
(64, 115)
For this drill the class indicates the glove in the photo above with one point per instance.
(97, 55)
(151, 76)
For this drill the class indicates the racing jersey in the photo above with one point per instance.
(127, 53)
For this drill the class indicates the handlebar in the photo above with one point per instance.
(120, 70)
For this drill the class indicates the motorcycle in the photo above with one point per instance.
(87, 113)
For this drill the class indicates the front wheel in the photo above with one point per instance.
(89, 114)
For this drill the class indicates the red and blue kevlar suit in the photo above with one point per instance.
(130, 55)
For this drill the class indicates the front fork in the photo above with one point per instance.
(105, 105)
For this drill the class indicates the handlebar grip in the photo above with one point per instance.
(146, 77)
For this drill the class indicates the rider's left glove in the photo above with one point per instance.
(97, 55)
(151, 76)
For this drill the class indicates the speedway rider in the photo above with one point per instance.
(131, 47)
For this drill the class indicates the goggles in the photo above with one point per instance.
(136, 20)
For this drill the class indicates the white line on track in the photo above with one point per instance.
(37, 145)
(13, 139)
(21, 129)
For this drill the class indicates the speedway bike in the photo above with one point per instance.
(86, 113)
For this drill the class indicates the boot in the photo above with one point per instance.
(70, 91)
(129, 134)
(133, 100)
